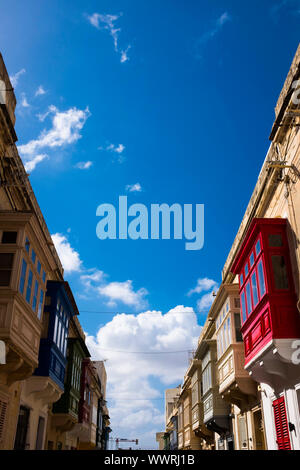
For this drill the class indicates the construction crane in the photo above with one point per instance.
(117, 440)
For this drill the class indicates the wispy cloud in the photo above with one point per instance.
(24, 101)
(84, 165)
(291, 6)
(107, 23)
(116, 149)
(210, 34)
(15, 78)
(40, 91)
(66, 127)
(134, 188)
(33, 162)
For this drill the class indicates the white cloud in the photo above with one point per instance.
(69, 258)
(133, 399)
(203, 285)
(31, 164)
(134, 188)
(290, 7)
(89, 280)
(51, 109)
(216, 28)
(124, 55)
(84, 165)
(15, 78)
(40, 91)
(114, 148)
(65, 130)
(24, 101)
(107, 22)
(123, 292)
(206, 301)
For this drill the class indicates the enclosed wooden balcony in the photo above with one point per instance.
(269, 314)
(24, 262)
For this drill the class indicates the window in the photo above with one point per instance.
(44, 276)
(257, 248)
(251, 260)
(35, 292)
(229, 330)
(23, 276)
(246, 270)
(254, 289)
(39, 266)
(241, 279)
(261, 279)
(41, 304)
(279, 272)
(248, 297)
(281, 425)
(27, 245)
(237, 327)
(29, 285)
(33, 256)
(206, 379)
(243, 307)
(275, 241)
(9, 237)
(55, 329)
(6, 264)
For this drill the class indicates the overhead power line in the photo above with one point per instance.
(145, 352)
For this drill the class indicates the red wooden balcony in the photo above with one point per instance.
(269, 313)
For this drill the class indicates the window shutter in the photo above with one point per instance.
(3, 410)
(281, 425)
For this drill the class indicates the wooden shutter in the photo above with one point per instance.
(281, 425)
(3, 410)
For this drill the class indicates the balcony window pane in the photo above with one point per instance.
(23, 276)
(33, 256)
(39, 266)
(243, 306)
(27, 245)
(261, 279)
(248, 297)
(29, 285)
(279, 272)
(55, 329)
(44, 276)
(58, 334)
(246, 270)
(6, 264)
(251, 260)
(35, 292)
(254, 289)
(9, 237)
(257, 248)
(241, 279)
(229, 330)
(40, 309)
(237, 326)
(275, 241)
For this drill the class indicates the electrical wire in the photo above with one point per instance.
(145, 352)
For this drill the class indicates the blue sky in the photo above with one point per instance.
(165, 102)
